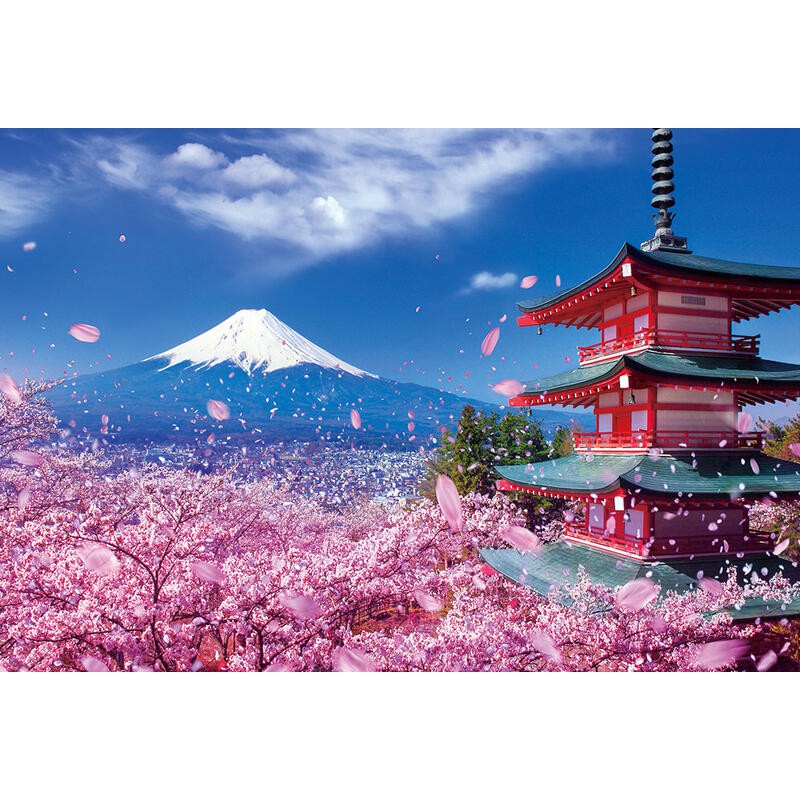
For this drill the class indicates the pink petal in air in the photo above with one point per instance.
(428, 602)
(9, 388)
(99, 559)
(767, 661)
(721, 653)
(23, 498)
(84, 333)
(300, 606)
(521, 538)
(355, 418)
(490, 341)
(795, 448)
(449, 502)
(711, 586)
(528, 281)
(218, 410)
(780, 547)
(350, 659)
(636, 594)
(544, 643)
(92, 664)
(28, 246)
(508, 388)
(745, 422)
(207, 572)
(27, 458)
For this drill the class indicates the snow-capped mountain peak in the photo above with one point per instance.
(254, 340)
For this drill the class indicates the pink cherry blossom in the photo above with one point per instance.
(636, 594)
(490, 341)
(428, 601)
(720, 654)
(544, 643)
(449, 502)
(508, 388)
(355, 418)
(520, 538)
(84, 333)
(207, 572)
(349, 659)
(218, 410)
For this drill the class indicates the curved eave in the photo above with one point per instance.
(775, 288)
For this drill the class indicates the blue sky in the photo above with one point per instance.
(344, 234)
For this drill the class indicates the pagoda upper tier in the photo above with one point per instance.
(659, 291)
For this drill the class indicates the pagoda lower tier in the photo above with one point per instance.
(656, 506)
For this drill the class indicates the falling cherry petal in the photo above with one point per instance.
(207, 572)
(711, 586)
(795, 448)
(23, 498)
(428, 602)
(300, 606)
(754, 466)
(528, 281)
(9, 388)
(122, 237)
(84, 333)
(218, 410)
(767, 661)
(521, 538)
(28, 246)
(508, 388)
(98, 558)
(449, 502)
(27, 458)
(780, 547)
(349, 659)
(636, 594)
(544, 643)
(721, 653)
(490, 341)
(92, 664)
(503, 318)
(745, 422)
(355, 419)
(558, 280)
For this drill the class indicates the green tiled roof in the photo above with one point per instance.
(555, 565)
(741, 370)
(701, 474)
(682, 261)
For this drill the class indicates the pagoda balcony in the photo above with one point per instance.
(668, 440)
(677, 340)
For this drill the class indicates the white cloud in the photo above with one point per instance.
(255, 172)
(313, 193)
(23, 201)
(482, 281)
(197, 156)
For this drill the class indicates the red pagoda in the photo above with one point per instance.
(673, 462)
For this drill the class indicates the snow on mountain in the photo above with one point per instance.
(254, 340)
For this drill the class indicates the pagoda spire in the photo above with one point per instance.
(663, 200)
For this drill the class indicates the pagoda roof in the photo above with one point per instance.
(670, 262)
(698, 474)
(728, 371)
(556, 565)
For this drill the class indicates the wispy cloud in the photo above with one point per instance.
(23, 201)
(314, 193)
(483, 281)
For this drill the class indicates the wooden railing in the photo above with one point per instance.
(670, 440)
(681, 340)
(676, 546)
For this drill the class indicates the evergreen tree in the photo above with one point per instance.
(781, 437)
(562, 442)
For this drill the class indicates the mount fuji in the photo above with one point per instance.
(271, 383)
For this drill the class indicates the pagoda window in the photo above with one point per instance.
(634, 523)
(641, 300)
(641, 322)
(609, 333)
(638, 420)
(597, 517)
(612, 312)
(604, 423)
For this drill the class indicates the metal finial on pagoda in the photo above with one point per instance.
(663, 200)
